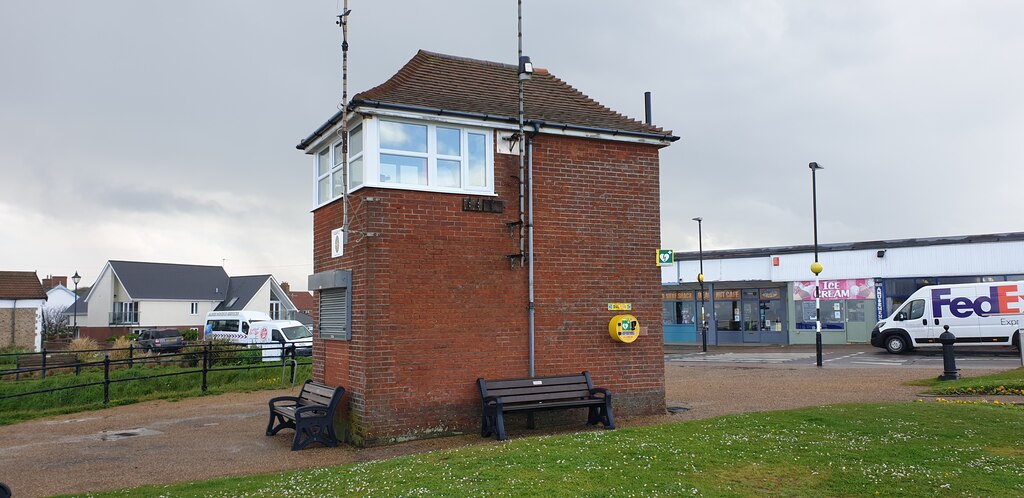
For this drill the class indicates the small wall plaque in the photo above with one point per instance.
(483, 205)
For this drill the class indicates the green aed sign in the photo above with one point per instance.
(666, 257)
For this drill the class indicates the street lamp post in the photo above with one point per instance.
(700, 278)
(816, 265)
(76, 278)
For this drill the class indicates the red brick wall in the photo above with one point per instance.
(436, 305)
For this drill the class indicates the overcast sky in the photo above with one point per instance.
(166, 131)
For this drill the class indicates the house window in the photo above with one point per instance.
(193, 309)
(330, 176)
(275, 310)
(406, 154)
(124, 313)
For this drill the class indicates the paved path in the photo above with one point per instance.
(202, 438)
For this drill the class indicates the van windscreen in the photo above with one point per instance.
(296, 333)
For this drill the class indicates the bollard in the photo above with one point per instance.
(948, 357)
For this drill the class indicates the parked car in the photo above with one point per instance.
(159, 341)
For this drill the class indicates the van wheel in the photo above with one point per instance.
(896, 344)
(1016, 341)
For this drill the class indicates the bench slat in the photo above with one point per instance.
(513, 383)
(530, 398)
(538, 389)
(554, 404)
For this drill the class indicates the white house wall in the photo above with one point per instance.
(100, 301)
(155, 314)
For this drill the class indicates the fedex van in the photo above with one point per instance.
(990, 313)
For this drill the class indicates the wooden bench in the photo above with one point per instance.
(32, 362)
(311, 414)
(539, 394)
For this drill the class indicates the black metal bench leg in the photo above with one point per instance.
(608, 419)
(499, 422)
(486, 426)
(281, 423)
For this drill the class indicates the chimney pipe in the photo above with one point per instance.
(647, 107)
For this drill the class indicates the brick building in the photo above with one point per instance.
(21, 301)
(431, 289)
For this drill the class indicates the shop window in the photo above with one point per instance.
(727, 315)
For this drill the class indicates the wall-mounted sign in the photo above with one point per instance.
(861, 288)
(666, 257)
(620, 306)
(337, 243)
(483, 205)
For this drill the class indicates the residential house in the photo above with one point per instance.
(129, 296)
(475, 250)
(21, 302)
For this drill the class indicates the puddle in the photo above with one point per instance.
(125, 433)
(676, 410)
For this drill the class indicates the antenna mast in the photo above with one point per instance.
(343, 131)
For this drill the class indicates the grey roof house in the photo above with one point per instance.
(131, 295)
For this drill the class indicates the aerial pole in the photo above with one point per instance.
(343, 131)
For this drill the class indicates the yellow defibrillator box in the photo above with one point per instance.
(624, 328)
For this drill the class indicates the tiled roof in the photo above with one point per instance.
(20, 285)
(241, 290)
(303, 300)
(456, 84)
(171, 281)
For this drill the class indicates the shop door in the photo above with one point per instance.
(751, 321)
(858, 325)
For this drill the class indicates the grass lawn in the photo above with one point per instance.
(904, 449)
(1010, 382)
(177, 383)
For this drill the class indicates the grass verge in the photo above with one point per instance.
(906, 449)
(178, 382)
(1010, 382)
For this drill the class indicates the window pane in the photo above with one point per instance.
(323, 162)
(323, 190)
(338, 184)
(355, 172)
(449, 173)
(355, 141)
(403, 136)
(337, 153)
(477, 160)
(449, 142)
(403, 169)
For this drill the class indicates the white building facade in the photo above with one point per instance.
(766, 295)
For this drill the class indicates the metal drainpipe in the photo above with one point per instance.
(14, 327)
(529, 253)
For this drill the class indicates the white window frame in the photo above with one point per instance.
(193, 309)
(275, 310)
(371, 151)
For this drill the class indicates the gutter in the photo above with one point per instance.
(306, 142)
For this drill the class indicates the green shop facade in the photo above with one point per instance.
(767, 295)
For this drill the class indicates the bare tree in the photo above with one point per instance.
(55, 322)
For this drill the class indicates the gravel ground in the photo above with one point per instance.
(203, 438)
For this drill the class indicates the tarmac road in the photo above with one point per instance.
(202, 438)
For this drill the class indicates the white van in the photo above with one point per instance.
(287, 334)
(232, 325)
(990, 313)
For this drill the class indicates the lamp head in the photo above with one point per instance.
(698, 219)
(814, 166)
(76, 278)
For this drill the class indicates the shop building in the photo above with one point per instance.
(766, 295)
